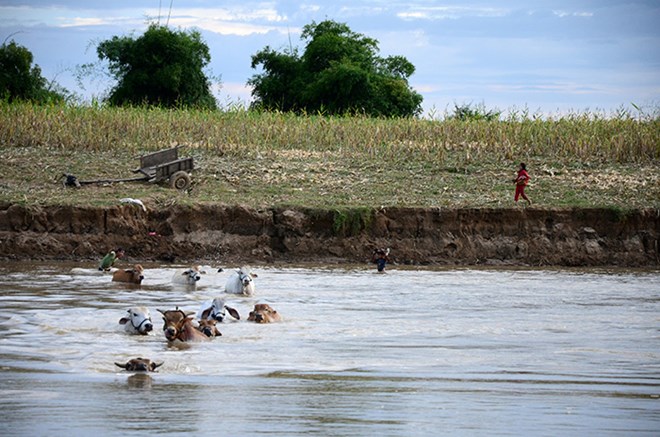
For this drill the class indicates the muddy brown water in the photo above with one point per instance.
(410, 352)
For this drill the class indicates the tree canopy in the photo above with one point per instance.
(339, 72)
(163, 67)
(20, 80)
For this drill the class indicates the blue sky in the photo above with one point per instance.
(549, 57)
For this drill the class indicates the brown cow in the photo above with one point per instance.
(179, 326)
(140, 365)
(132, 276)
(264, 313)
(208, 328)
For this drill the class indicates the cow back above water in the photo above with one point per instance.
(131, 276)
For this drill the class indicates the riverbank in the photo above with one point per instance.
(417, 236)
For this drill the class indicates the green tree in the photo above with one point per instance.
(468, 112)
(20, 80)
(339, 72)
(162, 67)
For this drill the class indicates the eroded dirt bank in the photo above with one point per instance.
(234, 234)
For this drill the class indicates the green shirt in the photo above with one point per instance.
(108, 260)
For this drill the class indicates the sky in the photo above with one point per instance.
(540, 57)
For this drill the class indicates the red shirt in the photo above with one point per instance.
(523, 177)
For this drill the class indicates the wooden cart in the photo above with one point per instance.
(161, 166)
(166, 166)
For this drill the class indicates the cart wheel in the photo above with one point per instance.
(180, 180)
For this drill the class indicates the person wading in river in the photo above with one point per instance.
(110, 258)
(380, 257)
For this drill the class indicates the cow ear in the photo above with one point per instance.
(190, 313)
(233, 313)
(186, 272)
(217, 333)
(254, 275)
(123, 321)
(123, 366)
(205, 313)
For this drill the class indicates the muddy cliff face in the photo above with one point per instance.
(233, 234)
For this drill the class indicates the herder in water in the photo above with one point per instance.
(381, 257)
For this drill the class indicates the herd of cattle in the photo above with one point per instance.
(189, 326)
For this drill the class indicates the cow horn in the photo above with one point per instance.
(157, 365)
(123, 366)
(160, 311)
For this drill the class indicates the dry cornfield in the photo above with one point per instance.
(275, 159)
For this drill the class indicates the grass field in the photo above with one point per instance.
(273, 159)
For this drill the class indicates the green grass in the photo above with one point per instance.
(274, 159)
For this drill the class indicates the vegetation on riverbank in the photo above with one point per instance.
(272, 159)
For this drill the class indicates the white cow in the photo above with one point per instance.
(138, 321)
(188, 276)
(216, 310)
(241, 282)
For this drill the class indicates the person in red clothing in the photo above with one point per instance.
(521, 182)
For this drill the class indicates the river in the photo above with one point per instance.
(406, 353)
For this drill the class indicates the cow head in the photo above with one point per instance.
(208, 328)
(217, 311)
(193, 274)
(174, 320)
(136, 274)
(139, 319)
(131, 276)
(244, 277)
(140, 365)
(263, 313)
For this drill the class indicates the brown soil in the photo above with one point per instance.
(425, 236)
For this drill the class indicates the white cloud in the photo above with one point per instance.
(364, 11)
(226, 27)
(557, 87)
(241, 21)
(83, 21)
(448, 12)
(310, 8)
(266, 14)
(563, 14)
